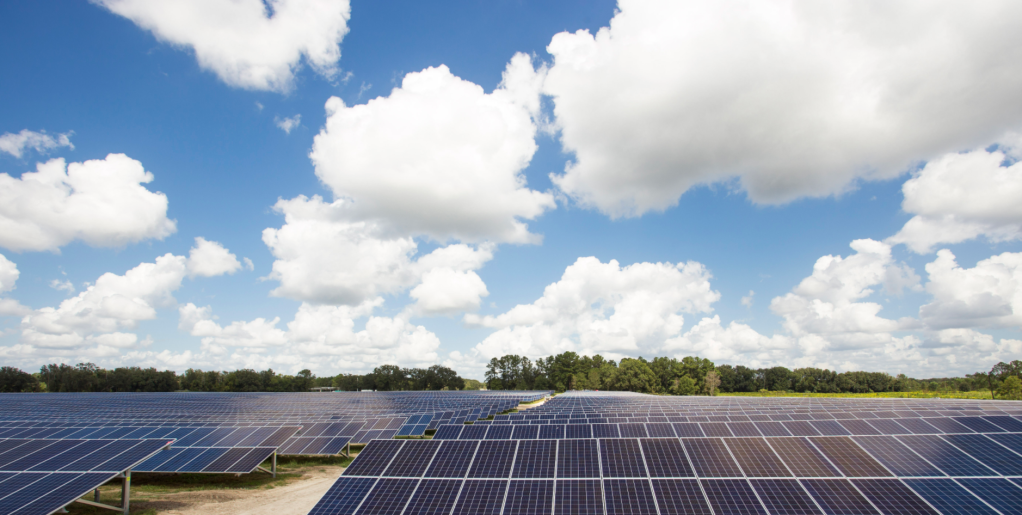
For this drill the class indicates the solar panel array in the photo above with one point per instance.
(615, 454)
(40, 476)
(327, 421)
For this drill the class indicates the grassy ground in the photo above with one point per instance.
(146, 488)
(884, 395)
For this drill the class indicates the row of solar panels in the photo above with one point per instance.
(960, 425)
(39, 477)
(207, 460)
(987, 496)
(183, 436)
(617, 418)
(828, 456)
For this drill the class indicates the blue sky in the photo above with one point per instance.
(634, 178)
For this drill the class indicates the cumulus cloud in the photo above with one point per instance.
(438, 157)
(602, 308)
(210, 258)
(987, 295)
(445, 291)
(251, 44)
(288, 124)
(64, 286)
(961, 196)
(827, 310)
(325, 258)
(17, 144)
(100, 202)
(114, 303)
(322, 334)
(8, 276)
(791, 98)
(736, 343)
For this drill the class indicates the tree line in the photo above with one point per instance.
(88, 377)
(693, 376)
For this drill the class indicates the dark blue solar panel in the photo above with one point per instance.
(203, 460)
(919, 426)
(473, 432)
(484, 497)
(628, 496)
(434, 497)
(23, 450)
(829, 427)
(945, 456)
(73, 487)
(106, 453)
(893, 497)
(688, 429)
(621, 458)
(732, 497)
(130, 457)
(374, 458)
(665, 458)
(856, 427)
(579, 497)
(29, 489)
(578, 431)
(447, 432)
(948, 425)
(529, 497)
(769, 429)
(632, 430)
(978, 425)
(453, 459)
(412, 459)
(493, 459)
(896, 457)
(889, 427)
(660, 430)
(999, 493)
(949, 497)
(344, 496)
(389, 496)
(551, 431)
(988, 452)
(179, 460)
(1006, 423)
(501, 432)
(525, 432)
(224, 462)
(54, 453)
(838, 497)
(578, 459)
(680, 496)
(605, 431)
(784, 497)
(711, 458)
(536, 459)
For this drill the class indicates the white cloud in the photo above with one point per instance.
(323, 257)
(16, 144)
(826, 310)
(210, 258)
(793, 99)
(249, 44)
(64, 286)
(112, 304)
(747, 300)
(444, 291)
(736, 343)
(602, 308)
(100, 202)
(8, 274)
(987, 295)
(961, 196)
(438, 157)
(288, 124)
(254, 334)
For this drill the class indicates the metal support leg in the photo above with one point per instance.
(95, 495)
(274, 465)
(126, 492)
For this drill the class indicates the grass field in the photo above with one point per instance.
(883, 395)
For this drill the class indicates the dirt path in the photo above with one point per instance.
(296, 498)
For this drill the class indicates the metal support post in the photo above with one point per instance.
(126, 492)
(274, 464)
(95, 495)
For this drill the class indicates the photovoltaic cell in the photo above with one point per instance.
(473, 432)
(999, 493)
(800, 428)
(756, 458)
(986, 451)
(829, 428)
(688, 429)
(493, 459)
(536, 459)
(896, 457)
(784, 497)
(71, 488)
(621, 458)
(481, 497)
(412, 459)
(732, 497)
(849, 457)
(499, 432)
(203, 460)
(859, 427)
(889, 427)
(716, 429)
(632, 430)
(1010, 440)
(447, 432)
(577, 459)
(551, 431)
(838, 497)
(578, 431)
(978, 425)
(948, 425)
(388, 496)
(434, 497)
(711, 458)
(579, 497)
(919, 426)
(891, 496)
(1006, 423)
(772, 429)
(528, 497)
(949, 497)
(744, 429)
(680, 496)
(628, 496)
(665, 458)
(453, 459)
(523, 432)
(605, 431)
(374, 458)
(945, 456)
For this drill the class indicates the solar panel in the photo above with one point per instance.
(838, 497)
(945, 456)
(990, 454)
(374, 459)
(535, 459)
(529, 497)
(452, 459)
(784, 497)
(892, 496)
(412, 459)
(344, 496)
(998, 493)
(388, 496)
(849, 457)
(896, 457)
(579, 497)
(621, 458)
(484, 497)
(665, 458)
(732, 497)
(577, 459)
(628, 496)
(434, 497)
(493, 459)
(711, 458)
(949, 497)
(756, 458)
(680, 496)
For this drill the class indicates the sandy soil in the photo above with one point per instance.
(296, 498)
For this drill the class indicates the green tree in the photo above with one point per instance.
(711, 383)
(1011, 389)
(634, 375)
(14, 380)
(684, 385)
